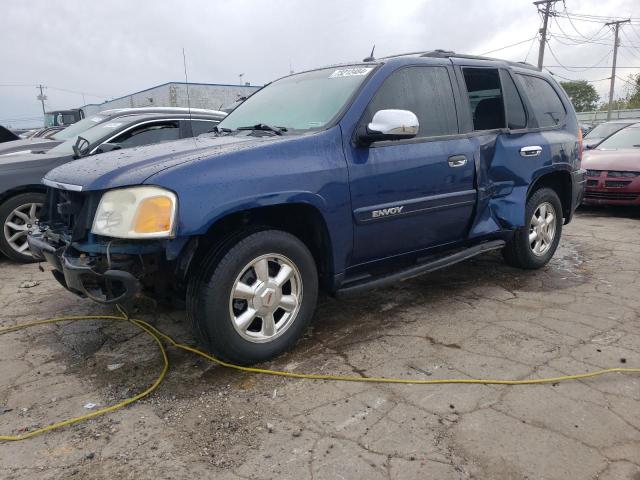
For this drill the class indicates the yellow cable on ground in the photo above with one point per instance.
(159, 336)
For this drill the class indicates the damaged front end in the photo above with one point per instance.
(106, 270)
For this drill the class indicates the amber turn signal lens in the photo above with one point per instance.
(154, 215)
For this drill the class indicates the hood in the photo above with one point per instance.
(627, 159)
(26, 159)
(27, 145)
(134, 165)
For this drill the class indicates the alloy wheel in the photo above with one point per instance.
(19, 223)
(542, 229)
(265, 298)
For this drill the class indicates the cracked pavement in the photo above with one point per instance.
(479, 319)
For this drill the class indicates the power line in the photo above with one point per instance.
(575, 66)
(568, 17)
(578, 79)
(509, 46)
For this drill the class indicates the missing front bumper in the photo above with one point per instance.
(79, 273)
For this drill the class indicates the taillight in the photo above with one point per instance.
(579, 144)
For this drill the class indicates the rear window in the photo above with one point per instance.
(605, 129)
(626, 138)
(548, 109)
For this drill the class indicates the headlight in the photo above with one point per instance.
(138, 212)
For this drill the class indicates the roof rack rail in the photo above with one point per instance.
(441, 53)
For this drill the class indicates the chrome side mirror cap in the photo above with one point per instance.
(391, 125)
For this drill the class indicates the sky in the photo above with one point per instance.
(89, 51)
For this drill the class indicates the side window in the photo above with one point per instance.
(426, 91)
(202, 126)
(149, 133)
(485, 98)
(547, 106)
(516, 115)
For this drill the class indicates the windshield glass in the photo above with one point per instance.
(72, 131)
(626, 138)
(306, 101)
(93, 135)
(605, 129)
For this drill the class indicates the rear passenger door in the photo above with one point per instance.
(408, 195)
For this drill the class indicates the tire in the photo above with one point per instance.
(16, 220)
(520, 251)
(224, 324)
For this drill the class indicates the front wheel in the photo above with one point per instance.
(533, 246)
(253, 300)
(18, 218)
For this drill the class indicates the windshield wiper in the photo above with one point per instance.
(217, 129)
(265, 127)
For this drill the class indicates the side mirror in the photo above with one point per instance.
(107, 147)
(391, 125)
(81, 147)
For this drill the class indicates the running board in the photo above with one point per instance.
(416, 270)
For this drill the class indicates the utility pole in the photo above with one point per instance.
(42, 97)
(616, 42)
(543, 31)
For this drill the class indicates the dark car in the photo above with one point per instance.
(39, 144)
(613, 169)
(602, 131)
(342, 178)
(21, 191)
(7, 135)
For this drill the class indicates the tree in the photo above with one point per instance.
(583, 95)
(633, 100)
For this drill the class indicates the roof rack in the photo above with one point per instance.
(440, 53)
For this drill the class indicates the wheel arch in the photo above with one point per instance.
(560, 182)
(301, 219)
(12, 192)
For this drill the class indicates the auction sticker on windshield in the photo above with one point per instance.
(350, 72)
(112, 125)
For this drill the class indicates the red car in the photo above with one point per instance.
(613, 169)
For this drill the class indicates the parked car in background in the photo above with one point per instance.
(613, 169)
(7, 135)
(21, 191)
(346, 178)
(61, 118)
(46, 132)
(603, 130)
(40, 144)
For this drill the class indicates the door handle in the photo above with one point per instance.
(531, 151)
(457, 161)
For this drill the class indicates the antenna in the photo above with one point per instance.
(371, 58)
(186, 80)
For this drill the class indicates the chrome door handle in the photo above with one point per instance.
(531, 151)
(457, 161)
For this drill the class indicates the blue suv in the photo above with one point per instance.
(341, 178)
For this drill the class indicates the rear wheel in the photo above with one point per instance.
(18, 218)
(252, 300)
(533, 246)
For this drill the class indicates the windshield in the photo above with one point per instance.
(93, 135)
(605, 129)
(72, 131)
(626, 138)
(306, 101)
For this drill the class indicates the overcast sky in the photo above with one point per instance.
(110, 48)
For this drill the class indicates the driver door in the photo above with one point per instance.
(409, 195)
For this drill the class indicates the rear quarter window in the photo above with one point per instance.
(547, 107)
